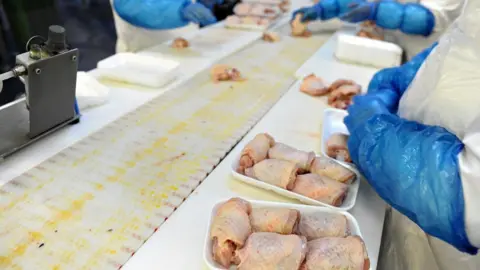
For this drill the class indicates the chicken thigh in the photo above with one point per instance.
(271, 251)
(326, 167)
(337, 253)
(321, 188)
(318, 224)
(255, 151)
(277, 172)
(284, 152)
(230, 229)
(277, 220)
(337, 147)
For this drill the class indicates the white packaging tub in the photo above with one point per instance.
(364, 51)
(138, 69)
(207, 251)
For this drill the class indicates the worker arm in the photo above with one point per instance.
(389, 84)
(152, 14)
(410, 18)
(413, 167)
(324, 10)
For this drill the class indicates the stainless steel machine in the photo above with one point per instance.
(49, 71)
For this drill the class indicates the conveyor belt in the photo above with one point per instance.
(94, 204)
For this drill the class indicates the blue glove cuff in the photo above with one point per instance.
(411, 18)
(319, 11)
(327, 9)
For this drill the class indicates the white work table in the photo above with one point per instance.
(296, 120)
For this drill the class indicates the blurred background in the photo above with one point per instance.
(89, 25)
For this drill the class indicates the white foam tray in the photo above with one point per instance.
(138, 69)
(359, 50)
(348, 202)
(207, 251)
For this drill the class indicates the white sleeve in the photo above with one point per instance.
(469, 162)
(445, 12)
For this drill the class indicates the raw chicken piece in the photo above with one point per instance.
(276, 220)
(230, 229)
(370, 35)
(337, 147)
(242, 9)
(263, 21)
(233, 20)
(282, 151)
(255, 151)
(314, 86)
(317, 225)
(180, 43)
(225, 73)
(337, 253)
(271, 251)
(271, 37)
(321, 188)
(370, 30)
(338, 83)
(251, 20)
(341, 97)
(299, 29)
(331, 169)
(277, 172)
(284, 6)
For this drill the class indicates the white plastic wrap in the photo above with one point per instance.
(89, 92)
(207, 251)
(364, 51)
(138, 69)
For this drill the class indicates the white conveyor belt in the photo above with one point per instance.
(295, 120)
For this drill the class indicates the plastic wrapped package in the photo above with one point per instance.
(90, 93)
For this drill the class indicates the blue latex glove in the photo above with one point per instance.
(324, 10)
(210, 3)
(308, 13)
(360, 11)
(152, 14)
(412, 166)
(199, 14)
(410, 18)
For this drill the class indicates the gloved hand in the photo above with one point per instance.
(309, 13)
(199, 14)
(360, 11)
(412, 166)
(410, 18)
(210, 3)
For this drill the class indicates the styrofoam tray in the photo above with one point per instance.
(366, 51)
(207, 251)
(348, 202)
(333, 123)
(138, 69)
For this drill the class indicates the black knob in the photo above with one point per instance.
(56, 38)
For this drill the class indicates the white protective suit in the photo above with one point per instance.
(445, 12)
(133, 39)
(445, 93)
